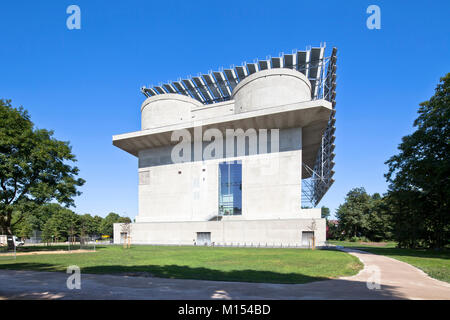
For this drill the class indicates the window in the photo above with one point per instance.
(203, 238)
(123, 237)
(308, 238)
(230, 188)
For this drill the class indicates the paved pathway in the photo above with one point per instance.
(398, 280)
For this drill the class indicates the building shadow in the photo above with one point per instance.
(233, 284)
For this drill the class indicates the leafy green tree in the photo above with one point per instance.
(379, 219)
(353, 213)
(43, 213)
(34, 167)
(364, 215)
(419, 176)
(90, 225)
(25, 227)
(107, 224)
(63, 224)
(325, 212)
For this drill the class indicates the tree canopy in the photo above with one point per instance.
(419, 176)
(364, 215)
(415, 211)
(106, 226)
(35, 168)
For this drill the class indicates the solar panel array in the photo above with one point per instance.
(217, 86)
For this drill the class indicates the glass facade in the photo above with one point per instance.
(230, 188)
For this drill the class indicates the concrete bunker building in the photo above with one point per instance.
(281, 110)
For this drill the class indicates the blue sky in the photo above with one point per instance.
(84, 84)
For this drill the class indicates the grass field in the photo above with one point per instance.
(206, 263)
(435, 263)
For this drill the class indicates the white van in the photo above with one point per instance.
(4, 240)
(18, 242)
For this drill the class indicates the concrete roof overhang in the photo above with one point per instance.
(312, 116)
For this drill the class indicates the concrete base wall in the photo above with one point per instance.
(285, 232)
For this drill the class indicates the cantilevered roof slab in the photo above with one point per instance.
(312, 116)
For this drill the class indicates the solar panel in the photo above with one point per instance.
(181, 89)
(315, 62)
(263, 64)
(150, 91)
(160, 90)
(203, 89)
(241, 72)
(231, 77)
(221, 81)
(252, 68)
(313, 88)
(209, 80)
(276, 63)
(191, 88)
(301, 61)
(288, 61)
(169, 88)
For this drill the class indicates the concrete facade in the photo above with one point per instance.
(179, 200)
(228, 232)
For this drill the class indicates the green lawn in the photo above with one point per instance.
(435, 263)
(207, 263)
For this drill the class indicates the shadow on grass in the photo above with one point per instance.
(42, 248)
(177, 272)
(56, 248)
(336, 289)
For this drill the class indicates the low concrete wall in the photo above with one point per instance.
(285, 232)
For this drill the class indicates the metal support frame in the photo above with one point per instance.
(321, 179)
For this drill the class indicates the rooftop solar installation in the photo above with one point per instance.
(218, 85)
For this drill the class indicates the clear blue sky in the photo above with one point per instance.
(84, 84)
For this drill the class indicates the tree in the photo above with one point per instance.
(63, 224)
(352, 214)
(87, 225)
(25, 227)
(419, 176)
(325, 212)
(35, 168)
(364, 215)
(107, 224)
(379, 219)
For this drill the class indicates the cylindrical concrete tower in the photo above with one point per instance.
(271, 87)
(166, 109)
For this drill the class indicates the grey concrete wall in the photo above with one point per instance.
(227, 232)
(271, 184)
